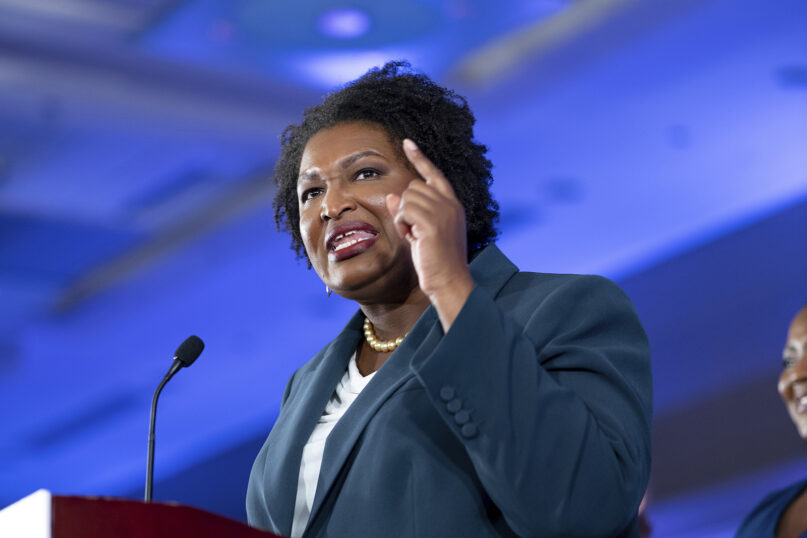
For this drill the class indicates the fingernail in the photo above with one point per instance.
(408, 144)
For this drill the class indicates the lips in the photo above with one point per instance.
(801, 404)
(350, 239)
(799, 396)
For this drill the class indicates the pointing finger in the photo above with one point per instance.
(427, 169)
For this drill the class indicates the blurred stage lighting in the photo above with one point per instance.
(344, 23)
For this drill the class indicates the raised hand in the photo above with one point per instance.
(429, 215)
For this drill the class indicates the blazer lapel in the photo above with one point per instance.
(490, 269)
(396, 370)
(293, 428)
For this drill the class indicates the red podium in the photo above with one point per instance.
(42, 515)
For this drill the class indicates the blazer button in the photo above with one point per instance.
(454, 405)
(469, 430)
(446, 393)
(461, 417)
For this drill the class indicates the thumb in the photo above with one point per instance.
(393, 203)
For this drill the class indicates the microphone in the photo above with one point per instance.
(187, 352)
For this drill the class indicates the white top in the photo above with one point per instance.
(345, 393)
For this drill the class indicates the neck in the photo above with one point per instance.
(391, 320)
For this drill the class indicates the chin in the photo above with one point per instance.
(355, 272)
(371, 274)
(348, 285)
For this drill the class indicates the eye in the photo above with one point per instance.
(367, 173)
(308, 194)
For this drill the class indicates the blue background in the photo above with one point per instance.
(662, 144)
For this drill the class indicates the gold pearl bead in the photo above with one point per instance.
(375, 343)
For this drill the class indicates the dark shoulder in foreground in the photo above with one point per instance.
(765, 516)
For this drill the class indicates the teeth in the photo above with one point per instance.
(342, 236)
(348, 243)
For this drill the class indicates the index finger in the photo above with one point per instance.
(430, 173)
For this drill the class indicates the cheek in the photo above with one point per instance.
(376, 203)
(378, 200)
(304, 233)
(307, 231)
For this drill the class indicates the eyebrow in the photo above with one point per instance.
(344, 163)
(350, 159)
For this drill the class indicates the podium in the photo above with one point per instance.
(42, 515)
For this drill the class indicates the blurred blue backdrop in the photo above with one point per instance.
(662, 144)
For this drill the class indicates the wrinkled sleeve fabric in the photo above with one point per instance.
(550, 392)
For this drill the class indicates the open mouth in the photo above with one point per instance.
(350, 239)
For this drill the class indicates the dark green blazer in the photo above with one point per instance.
(530, 417)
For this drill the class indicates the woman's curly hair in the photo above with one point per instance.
(406, 105)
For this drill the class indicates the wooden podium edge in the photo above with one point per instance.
(91, 517)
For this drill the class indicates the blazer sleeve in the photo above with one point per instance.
(553, 403)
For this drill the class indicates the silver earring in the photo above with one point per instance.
(328, 291)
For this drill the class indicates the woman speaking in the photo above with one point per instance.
(464, 397)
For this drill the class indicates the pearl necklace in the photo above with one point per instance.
(379, 345)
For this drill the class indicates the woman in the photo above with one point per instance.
(463, 398)
(784, 512)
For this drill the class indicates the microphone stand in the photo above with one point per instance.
(150, 464)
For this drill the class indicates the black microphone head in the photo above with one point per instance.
(189, 350)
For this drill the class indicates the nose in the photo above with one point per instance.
(337, 200)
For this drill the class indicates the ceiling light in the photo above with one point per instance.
(343, 23)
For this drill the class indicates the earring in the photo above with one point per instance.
(328, 291)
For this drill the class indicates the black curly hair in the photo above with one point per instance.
(406, 105)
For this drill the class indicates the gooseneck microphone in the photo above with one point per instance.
(187, 352)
